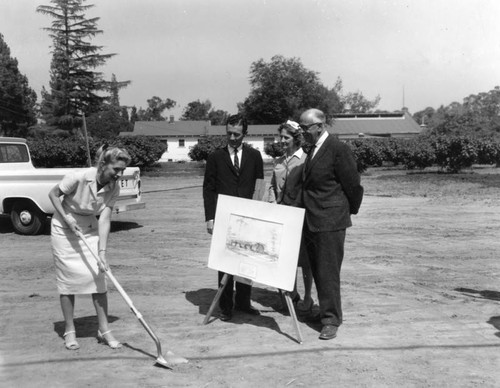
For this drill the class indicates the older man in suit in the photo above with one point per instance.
(232, 170)
(331, 192)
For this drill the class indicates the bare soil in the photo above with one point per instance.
(420, 284)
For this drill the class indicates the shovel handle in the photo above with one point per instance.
(110, 276)
(160, 359)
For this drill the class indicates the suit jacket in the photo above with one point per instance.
(331, 189)
(222, 178)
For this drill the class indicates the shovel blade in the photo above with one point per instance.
(170, 360)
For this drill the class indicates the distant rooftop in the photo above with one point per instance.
(374, 124)
(367, 124)
(169, 128)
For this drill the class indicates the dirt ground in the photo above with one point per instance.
(420, 284)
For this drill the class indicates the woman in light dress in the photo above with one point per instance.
(286, 188)
(77, 200)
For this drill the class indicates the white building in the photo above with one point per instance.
(180, 136)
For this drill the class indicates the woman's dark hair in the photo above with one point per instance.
(293, 129)
(237, 120)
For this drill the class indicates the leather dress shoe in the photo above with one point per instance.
(225, 316)
(328, 332)
(249, 310)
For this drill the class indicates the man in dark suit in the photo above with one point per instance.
(331, 192)
(232, 170)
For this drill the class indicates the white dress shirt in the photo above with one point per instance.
(319, 143)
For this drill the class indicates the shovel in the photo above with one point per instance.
(170, 358)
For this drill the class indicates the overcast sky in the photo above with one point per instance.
(439, 51)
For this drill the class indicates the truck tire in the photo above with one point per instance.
(27, 218)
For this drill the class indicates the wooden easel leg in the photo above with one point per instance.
(283, 301)
(223, 283)
(294, 316)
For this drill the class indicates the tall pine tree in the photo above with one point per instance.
(17, 99)
(74, 82)
(114, 89)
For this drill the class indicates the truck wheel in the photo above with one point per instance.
(27, 218)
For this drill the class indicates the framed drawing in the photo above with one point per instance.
(256, 240)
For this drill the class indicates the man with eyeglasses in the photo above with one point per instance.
(331, 192)
(232, 170)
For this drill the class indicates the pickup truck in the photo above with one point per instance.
(24, 189)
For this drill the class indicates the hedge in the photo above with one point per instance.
(451, 153)
(53, 151)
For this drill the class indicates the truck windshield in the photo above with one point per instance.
(13, 153)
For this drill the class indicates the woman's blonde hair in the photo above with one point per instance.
(106, 155)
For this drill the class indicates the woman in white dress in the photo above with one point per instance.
(85, 195)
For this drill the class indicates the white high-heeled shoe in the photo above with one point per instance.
(70, 343)
(112, 344)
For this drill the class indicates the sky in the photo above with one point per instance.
(422, 52)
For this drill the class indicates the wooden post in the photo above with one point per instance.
(89, 159)
(294, 316)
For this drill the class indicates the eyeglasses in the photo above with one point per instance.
(306, 127)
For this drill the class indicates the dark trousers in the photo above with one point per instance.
(241, 298)
(326, 252)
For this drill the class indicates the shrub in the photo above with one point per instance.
(274, 150)
(417, 153)
(450, 152)
(367, 153)
(144, 150)
(206, 145)
(455, 153)
(54, 151)
(488, 151)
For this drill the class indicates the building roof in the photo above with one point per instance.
(374, 124)
(253, 130)
(167, 128)
(191, 128)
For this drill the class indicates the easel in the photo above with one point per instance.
(288, 300)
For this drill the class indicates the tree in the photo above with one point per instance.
(354, 102)
(112, 118)
(282, 89)
(17, 99)
(478, 115)
(218, 117)
(133, 115)
(74, 83)
(424, 116)
(114, 89)
(124, 113)
(155, 108)
(108, 123)
(196, 110)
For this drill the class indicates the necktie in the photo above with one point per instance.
(309, 157)
(236, 160)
